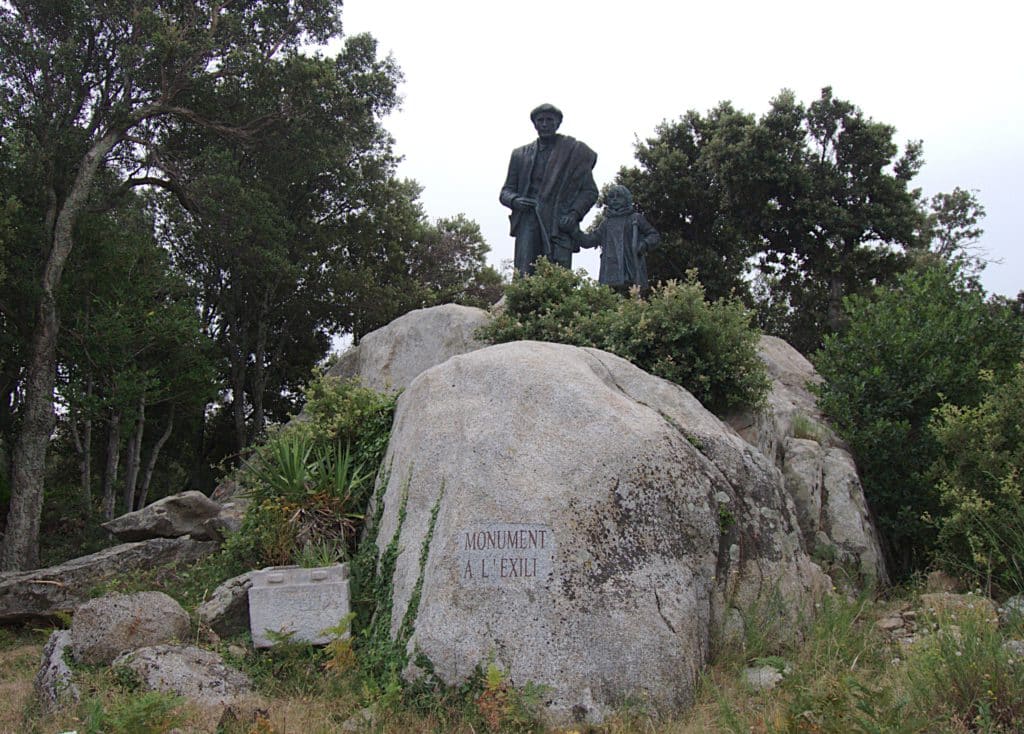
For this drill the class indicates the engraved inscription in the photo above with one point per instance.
(499, 554)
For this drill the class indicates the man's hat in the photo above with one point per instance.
(546, 108)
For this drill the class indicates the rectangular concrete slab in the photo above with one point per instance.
(302, 601)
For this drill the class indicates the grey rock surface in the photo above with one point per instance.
(392, 356)
(200, 675)
(227, 521)
(61, 588)
(762, 678)
(54, 683)
(1011, 611)
(180, 514)
(226, 611)
(592, 524)
(831, 507)
(1014, 648)
(108, 626)
(819, 470)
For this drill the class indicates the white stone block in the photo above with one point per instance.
(302, 601)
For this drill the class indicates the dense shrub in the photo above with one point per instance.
(708, 348)
(906, 350)
(311, 480)
(980, 475)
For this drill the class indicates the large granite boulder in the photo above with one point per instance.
(185, 513)
(819, 470)
(199, 675)
(48, 591)
(392, 356)
(583, 524)
(108, 626)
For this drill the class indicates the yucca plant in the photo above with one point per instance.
(283, 469)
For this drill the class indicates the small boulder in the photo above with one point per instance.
(200, 675)
(226, 612)
(108, 626)
(54, 684)
(1015, 648)
(227, 521)
(762, 678)
(1012, 611)
(176, 516)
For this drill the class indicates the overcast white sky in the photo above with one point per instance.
(949, 73)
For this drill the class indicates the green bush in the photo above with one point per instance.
(980, 475)
(708, 348)
(905, 351)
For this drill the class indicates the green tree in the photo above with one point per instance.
(953, 229)
(269, 230)
(839, 219)
(306, 232)
(98, 85)
(693, 182)
(906, 350)
(818, 196)
(449, 261)
(132, 351)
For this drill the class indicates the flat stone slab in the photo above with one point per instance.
(48, 591)
(299, 602)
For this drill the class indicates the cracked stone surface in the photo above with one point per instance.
(581, 523)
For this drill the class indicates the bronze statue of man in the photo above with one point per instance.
(549, 188)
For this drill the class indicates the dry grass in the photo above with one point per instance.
(19, 660)
(842, 679)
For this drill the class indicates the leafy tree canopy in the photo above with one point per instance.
(908, 349)
(816, 198)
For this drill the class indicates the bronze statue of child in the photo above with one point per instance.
(624, 236)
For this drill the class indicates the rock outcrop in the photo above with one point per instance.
(108, 626)
(581, 523)
(819, 470)
(48, 591)
(392, 356)
(185, 513)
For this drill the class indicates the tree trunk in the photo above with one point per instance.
(239, 358)
(83, 446)
(151, 464)
(259, 373)
(28, 460)
(110, 472)
(134, 456)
